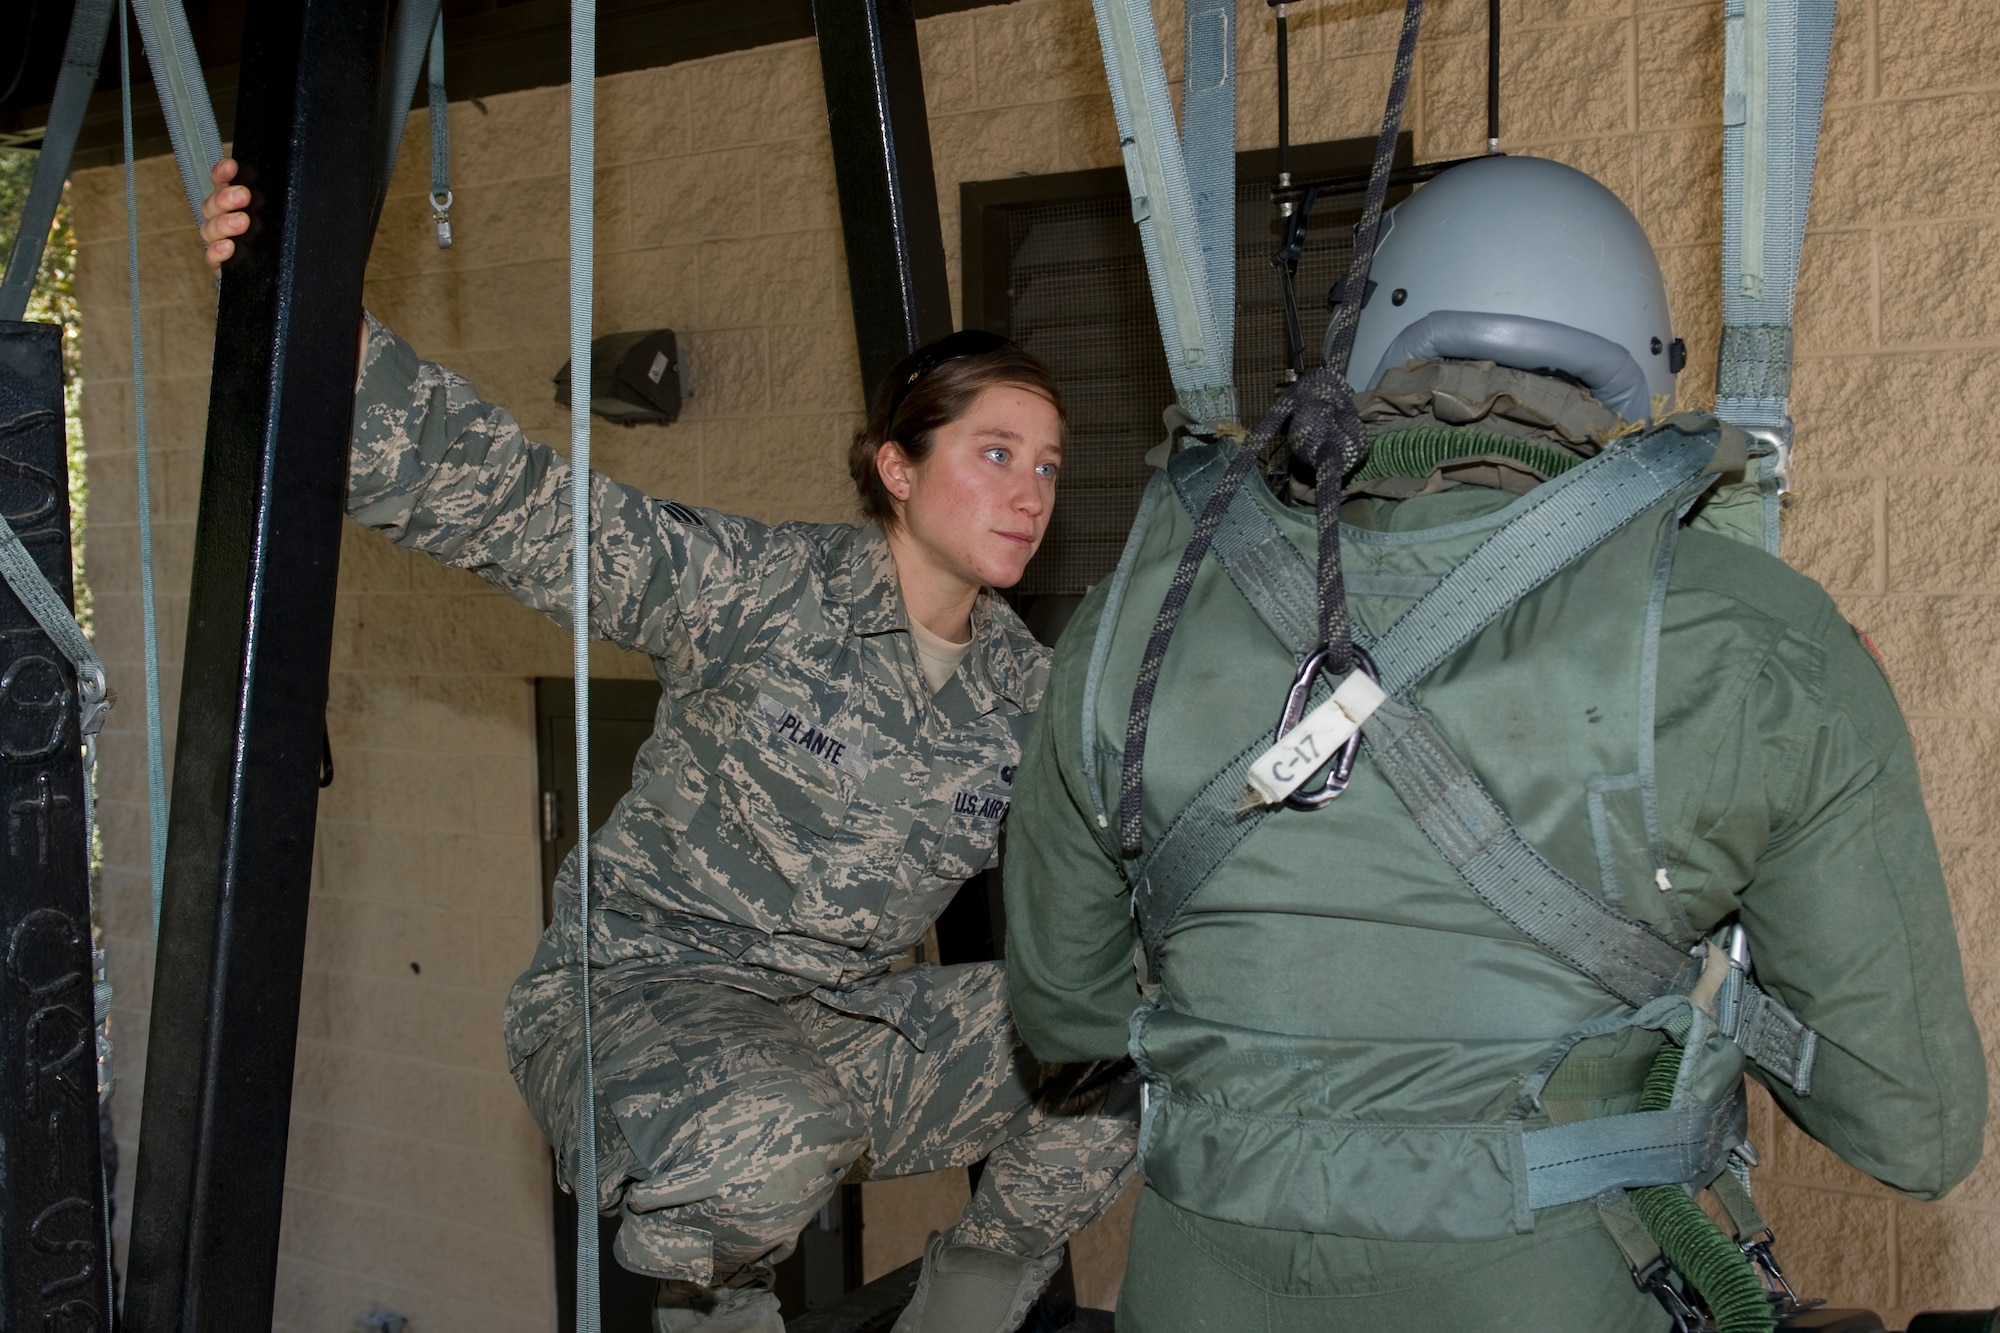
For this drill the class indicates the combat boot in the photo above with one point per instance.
(689, 1307)
(966, 1289)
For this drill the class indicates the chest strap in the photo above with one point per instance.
(1457, 814)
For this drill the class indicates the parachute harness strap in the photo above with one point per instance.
(582, 147)
(156, 749)
(1322, 426)
(440, 139)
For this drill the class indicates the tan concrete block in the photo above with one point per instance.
(1837, 292)
(1692, 274)
(180, 337)
(662, 461)
(1931, 644)
(427, 309)
(485, 872)
(1973, 874)
(1035, 53)
(1448, 101)
(774, 92)
(1935, 280)
(731, 371)
(378, 1014)
(1830, 533)
(504, 798)
(177, 414)
(695, 197)
(1679, 178)
(945, 49)
(1098, 1251)
(814, 368)
(96, 200)
(1889, 161)
(768, 280)
(779, 469)
(900, 1214)
(644, 289)
(1944, 533)
(521, 135)
(454, 634)
(476, 716)
(1003, 141)
(1338, 98)
(1948, 1256)
(642, 114)
(498, 222)
(370, 563)
(462, 1026)
(1953, 754)
(506, 944)
(1861, 413)
(1835, 1245)
(1089, 128)
(369, 862)
(171, 268)
(1927, 46)
(809, 200)
(1680, 71)
(1794, 1157)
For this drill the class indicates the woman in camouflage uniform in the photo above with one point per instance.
(841, 716)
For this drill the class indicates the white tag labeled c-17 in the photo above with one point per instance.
(1316, 740)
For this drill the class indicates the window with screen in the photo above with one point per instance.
(1055, 263)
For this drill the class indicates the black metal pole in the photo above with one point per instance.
(224, 1025)
(882, 167)
(1492, 76)
(53, 1255)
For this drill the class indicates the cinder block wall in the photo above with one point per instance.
(417, 1182)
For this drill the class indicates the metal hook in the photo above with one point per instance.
(1295, 708)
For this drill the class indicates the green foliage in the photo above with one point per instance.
(54, 301)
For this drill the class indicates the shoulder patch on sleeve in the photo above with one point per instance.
(680, 513)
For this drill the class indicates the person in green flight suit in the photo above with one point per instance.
(842, 715)
(1635, 809)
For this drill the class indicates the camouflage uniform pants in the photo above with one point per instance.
(726, 1119)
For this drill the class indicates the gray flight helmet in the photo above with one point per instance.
(1527, 263)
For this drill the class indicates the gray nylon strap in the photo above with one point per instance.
(440, 117)
(582, 253)
(412, 25)
(1578, 1161)
(1196, 320)
(1466, 825)
(183, 93)
(1768, 1031)
(82, 54)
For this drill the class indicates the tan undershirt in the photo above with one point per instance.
(940, 657)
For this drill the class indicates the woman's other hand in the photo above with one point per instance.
(223, 218)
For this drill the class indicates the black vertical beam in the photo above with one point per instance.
(253, 697)
(53, 1261)
(882, 166)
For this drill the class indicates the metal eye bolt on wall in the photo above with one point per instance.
(321, 90)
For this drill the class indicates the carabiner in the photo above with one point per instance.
(1295, 708)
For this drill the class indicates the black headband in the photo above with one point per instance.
(951, 347)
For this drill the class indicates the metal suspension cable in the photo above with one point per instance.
(156, 763)
(582, 147)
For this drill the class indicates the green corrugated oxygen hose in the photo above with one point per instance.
(1692, 1243)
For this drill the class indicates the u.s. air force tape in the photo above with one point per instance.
(794, 731)
(1313, 743)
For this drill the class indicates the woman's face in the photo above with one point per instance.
(980, 501)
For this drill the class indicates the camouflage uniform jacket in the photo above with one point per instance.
(804, 807)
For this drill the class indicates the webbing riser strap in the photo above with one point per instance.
(582, 174)
(183, 95)
(1197, 336)
(1775, 64)
(82, 53)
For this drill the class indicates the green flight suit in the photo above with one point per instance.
(1335, 977)
(802, 812)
